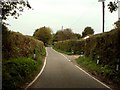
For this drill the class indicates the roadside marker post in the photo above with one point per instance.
(82, 54)
(34, 56)
(72, 51)
(98, 60)
(117, 67)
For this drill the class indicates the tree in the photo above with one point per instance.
(65, 34)
(112, 6)
(44, 34)
(78, 36)
(12, 8)
(87, 31)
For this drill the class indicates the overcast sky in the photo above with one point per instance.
(74, 14)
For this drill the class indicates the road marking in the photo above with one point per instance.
(85, 71)
(93, 77)
(39, 72)
(62, 55)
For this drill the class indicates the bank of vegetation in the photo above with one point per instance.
(19, 64)
(104, 47)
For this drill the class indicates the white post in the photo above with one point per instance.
(34, 56)
(81, 54)
(117, 67)
(98, 60)
(72, 52)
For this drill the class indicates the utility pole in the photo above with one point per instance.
(103, 5)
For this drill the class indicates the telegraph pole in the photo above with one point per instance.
(103, 5)
(103, 15)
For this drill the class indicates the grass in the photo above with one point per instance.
(61, 51)
(105, 71)
(18, 71)
(92, 66)
(100, 70)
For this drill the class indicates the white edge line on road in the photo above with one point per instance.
(85, 71)
(62, 55)
(39, 72)
(93, 77)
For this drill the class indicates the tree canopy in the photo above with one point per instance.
(12, 8)
(65, 34)
(87, 31)
(44, 34)
(112, 6)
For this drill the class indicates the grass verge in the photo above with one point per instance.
(18, 71)
(61, 51)
(92, 66)
(106, 73)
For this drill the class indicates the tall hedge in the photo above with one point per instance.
(19, 64)
(105, 45)
(15, 45)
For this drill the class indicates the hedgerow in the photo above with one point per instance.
(105, 47)
(19, 64)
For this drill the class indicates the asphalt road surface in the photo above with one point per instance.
(59, 72)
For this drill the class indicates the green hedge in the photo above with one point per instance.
(18, 63)
(17, 45)
(106, 46)
(17, 71)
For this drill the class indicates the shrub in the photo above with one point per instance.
(17, 71)
(18, 64)
(105, 45)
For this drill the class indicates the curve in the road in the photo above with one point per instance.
(39, 72)
(60, 73)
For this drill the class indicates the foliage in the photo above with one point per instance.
(13, 7)
(105, 45)
(61, 51)
(101, 70)
(87, 31)
(74, 46)
(65, 34)
(92, 66)
(78, 36)
(17, 71)
(101, 45)
(17, 45)
(112, 6)
(44, 34)
(18, 63)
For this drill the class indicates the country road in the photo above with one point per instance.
(59, 72)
